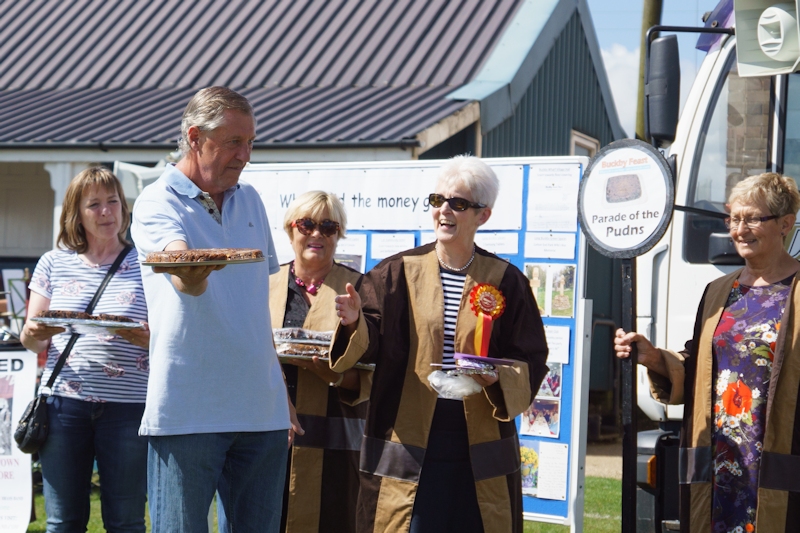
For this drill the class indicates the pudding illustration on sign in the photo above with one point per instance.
(624, 190)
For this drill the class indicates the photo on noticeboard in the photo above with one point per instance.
(529, 462)
(542, 418)
(562, 299)
(356, 262)
(551, 384)
(537, 276)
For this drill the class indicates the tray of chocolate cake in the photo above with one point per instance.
(203, 257)
(84, 323)
(305, 344)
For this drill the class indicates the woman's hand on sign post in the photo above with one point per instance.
(647, 354)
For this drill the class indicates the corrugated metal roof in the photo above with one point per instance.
(244, 43)
(121, 71)
(284, 115)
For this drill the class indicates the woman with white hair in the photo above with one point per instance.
(438, 457)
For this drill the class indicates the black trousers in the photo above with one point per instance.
(446, 498)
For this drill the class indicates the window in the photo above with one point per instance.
(733, 145)
(581, 144)
(791, 142)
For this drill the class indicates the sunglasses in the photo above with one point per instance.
(456, 204)
(306, 226)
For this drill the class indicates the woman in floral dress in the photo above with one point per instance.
(739, 376)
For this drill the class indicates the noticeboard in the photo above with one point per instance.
(534, 225)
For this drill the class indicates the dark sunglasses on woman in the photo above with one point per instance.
(306, 226)
(456, 204)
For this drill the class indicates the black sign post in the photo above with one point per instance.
(625, 205)
(629, 395)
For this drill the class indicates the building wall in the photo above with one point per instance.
(564, 96)
(26, 210)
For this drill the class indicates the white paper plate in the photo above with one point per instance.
(85, 326)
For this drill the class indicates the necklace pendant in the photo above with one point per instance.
(311, 288)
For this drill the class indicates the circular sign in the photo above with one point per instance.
(626, 199)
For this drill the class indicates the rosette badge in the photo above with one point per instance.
(488, 304)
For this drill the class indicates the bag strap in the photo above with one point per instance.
(62, 359)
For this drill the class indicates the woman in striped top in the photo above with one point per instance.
(97, 400)
(429, 463)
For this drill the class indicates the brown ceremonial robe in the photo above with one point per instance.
(404, 301)
(692, 371)
(323, 486)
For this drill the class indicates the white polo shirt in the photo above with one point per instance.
(213, 367)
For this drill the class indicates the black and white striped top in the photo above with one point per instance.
(453, 285)
(102, 367)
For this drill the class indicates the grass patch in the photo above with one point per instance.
(602, 512)
(601, 515)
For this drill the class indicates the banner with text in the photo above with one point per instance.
(17, 384)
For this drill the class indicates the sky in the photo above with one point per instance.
(618, 27)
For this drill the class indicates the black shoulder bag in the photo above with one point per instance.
(32, 429)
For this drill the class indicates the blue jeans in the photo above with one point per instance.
(81, 432)
(247, 469)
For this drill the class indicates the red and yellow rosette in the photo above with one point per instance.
(488, 303)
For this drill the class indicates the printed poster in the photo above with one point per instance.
(553, 197)
(17, 384)
(544, 469)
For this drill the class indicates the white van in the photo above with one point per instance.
(741, 118)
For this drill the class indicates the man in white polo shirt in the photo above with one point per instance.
(217, 413)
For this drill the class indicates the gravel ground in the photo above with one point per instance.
(604, 460)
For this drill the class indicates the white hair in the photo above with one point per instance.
(474, 174)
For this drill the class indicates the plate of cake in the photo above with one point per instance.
(84, 323)
(203, 257)
(305, 344)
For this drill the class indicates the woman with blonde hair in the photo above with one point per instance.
(739, 375)
(97, 400)
(322, 472)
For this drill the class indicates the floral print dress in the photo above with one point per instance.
(744, 347)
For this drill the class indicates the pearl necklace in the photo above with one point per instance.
(448, 267)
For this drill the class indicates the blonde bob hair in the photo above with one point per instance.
(778, 193)
(472, 173)
(316, 205)
(72, 236)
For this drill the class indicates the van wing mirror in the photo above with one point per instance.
(662, 91)
(721, 250)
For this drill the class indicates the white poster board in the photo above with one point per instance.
(533, 226)
(17, 384)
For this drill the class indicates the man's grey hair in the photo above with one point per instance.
(206, 110)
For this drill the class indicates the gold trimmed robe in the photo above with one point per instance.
(691, 374)
(323, 476)
(404, 301)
